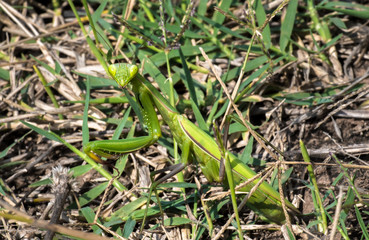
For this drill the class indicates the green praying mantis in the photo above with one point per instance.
(195, 144)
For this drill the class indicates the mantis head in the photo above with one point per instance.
(123, 73)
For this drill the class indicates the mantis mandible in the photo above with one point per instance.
(194, 143)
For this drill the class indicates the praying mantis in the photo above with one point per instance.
(195, 143)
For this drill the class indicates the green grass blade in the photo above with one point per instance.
(48, 90)
(6, 150)
(47, 67)
(98, 32)
(363, 227)
(349, 8)
(43, 182)
(246, 156)
(80, 170)
(89, 215)
(338, 22)
(136, 107)
(71, 4)
(151, 68)
(102, 100)
(85, 131)
(194, 103)
(4, 74)
(97, 54)
(92, 194)
(287, 24)
(222, 28)
(218, 17)
(128, 228)
(122, 123)
(261, 17)
(125, 211)
(176, 221)
(202, 7)
(316, 193)
(349, 179)
(122, 161)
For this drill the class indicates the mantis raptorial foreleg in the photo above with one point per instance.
(109, 149)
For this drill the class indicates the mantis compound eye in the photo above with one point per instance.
(123, 73)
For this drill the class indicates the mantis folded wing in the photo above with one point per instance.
(195, 144)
